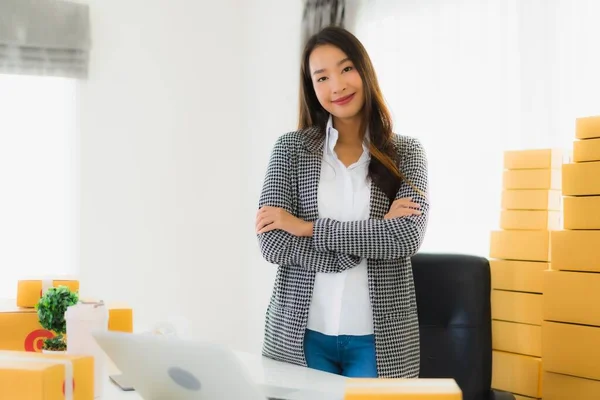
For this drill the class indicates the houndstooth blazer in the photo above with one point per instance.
(291, 183)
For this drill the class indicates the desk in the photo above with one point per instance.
(264, 371)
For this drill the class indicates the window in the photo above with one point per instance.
(38, 182)
(474, 79)
(448, 73)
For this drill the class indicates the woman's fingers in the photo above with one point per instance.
(268, 228)
(406, 211)
(263, 220)
(263, 210)
(402, 212)
(405, 203)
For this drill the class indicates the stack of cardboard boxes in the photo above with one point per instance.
(571, 327)
(24, 371)
(519, 255)
(20, 329)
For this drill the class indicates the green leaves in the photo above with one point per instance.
(57, 343)
(52, 306)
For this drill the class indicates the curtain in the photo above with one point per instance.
(44, 38)
(319, 14)
(472, 79)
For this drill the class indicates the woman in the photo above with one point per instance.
(342, 210)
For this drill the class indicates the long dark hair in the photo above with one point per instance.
(383, 168)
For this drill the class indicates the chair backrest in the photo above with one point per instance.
(453, 301)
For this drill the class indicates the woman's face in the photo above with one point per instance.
(336, 81)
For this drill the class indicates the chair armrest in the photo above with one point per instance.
(500, 395)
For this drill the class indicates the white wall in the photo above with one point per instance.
(37, 171)
(273, 65)
(183, 103)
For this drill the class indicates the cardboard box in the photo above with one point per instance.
(519, 276)
(530, 220)
(572, 297)
(533, 159)
(533, 199)
(532, 245)
(517, 338)
(516, 373)
(581, 179)
(402, 389)
(582, 212)
(120, 318)
(532, 179)
(120, 315)
(35, 376)
(29, 292)
(525, 308)
(20, 329)
(571, 349)
(587, 127)
(561, 387)
(586, 150)
(576, 250)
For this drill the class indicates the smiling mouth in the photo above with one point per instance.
(344, 100)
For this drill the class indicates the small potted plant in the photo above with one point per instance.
(51, 310)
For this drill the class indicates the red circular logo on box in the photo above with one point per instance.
(73, 382)
(35, 340)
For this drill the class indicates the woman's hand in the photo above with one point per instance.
(269, 218)
(403, 208)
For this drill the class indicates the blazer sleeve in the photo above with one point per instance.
(385, 238)
(280, 247)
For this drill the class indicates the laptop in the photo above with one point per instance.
(175, 369)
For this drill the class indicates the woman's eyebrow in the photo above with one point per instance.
(319, 71)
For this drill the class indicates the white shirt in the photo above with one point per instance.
(340, 302)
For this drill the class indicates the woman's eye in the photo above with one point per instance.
(321, 79)
(348, 69)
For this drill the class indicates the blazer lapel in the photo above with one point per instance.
(309, 168)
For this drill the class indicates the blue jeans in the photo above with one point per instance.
(350, 356)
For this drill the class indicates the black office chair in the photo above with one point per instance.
(453, 301)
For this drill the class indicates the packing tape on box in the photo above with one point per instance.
(67, 363)
(46, 285)
(48, 281)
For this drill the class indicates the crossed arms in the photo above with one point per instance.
(327, 245)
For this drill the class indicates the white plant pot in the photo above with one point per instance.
(54, 351)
